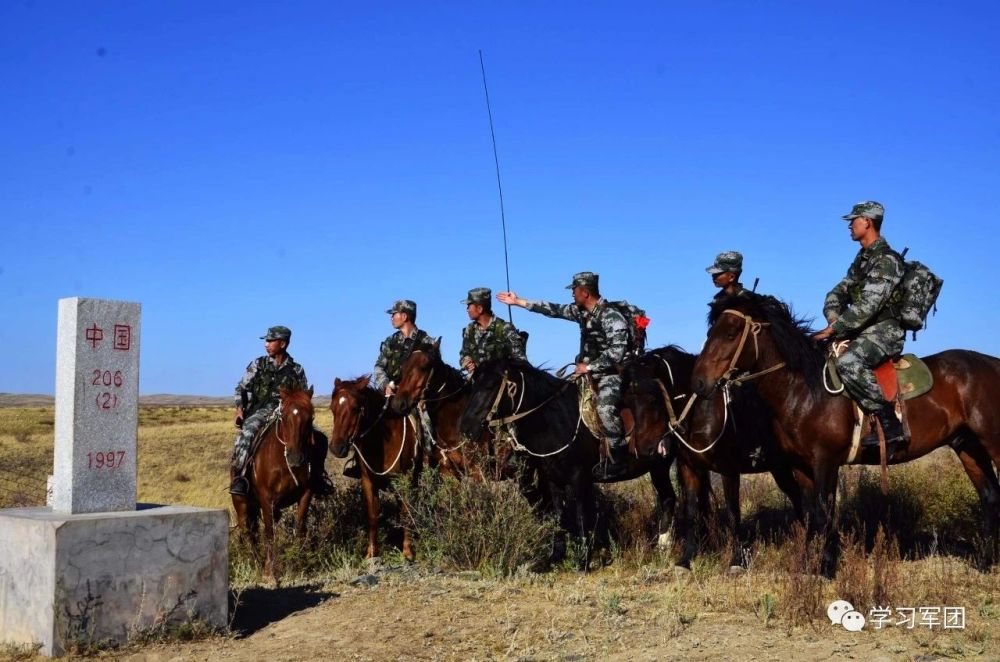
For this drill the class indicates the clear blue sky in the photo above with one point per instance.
(234, 165)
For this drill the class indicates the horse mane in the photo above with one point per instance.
(298, 398)
(791, 333)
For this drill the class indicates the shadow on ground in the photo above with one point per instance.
(259, 607)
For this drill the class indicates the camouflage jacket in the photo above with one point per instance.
(393, 353)
(603, 331)
(499, 340)
(262, 379)
(866, 295)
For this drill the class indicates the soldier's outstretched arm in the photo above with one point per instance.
(569, 311)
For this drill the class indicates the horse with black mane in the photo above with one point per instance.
(428, 380)
(760, 340)
(545, 423)
(386, 446)
(655, 387)
(279, 474)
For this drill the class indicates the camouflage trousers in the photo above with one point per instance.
(251, 426)
(875, 344)
(609, 408)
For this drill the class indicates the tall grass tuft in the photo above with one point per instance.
(471, 525)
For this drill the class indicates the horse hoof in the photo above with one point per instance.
(736, 570)
(680, 572)
(665, 541)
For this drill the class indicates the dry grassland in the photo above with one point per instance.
(637, 607)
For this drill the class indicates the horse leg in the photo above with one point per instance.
(784, 478)
(270, 571)
(583, 502)
(371, 507)
(979, 468)
(695, 486)
(731, 490)
(301, 512)
(408, 552)
(557, 508)
(824, 521)
(659, 476)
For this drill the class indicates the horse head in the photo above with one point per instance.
(418, 371)
(348, 404)
(295, 425)
(655, 386)
(747, 338)
(484, 397)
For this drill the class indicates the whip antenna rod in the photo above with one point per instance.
(496, 160)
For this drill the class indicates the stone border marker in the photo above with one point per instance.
(97, 406)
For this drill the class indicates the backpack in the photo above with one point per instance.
(636, 323)
(918, 293)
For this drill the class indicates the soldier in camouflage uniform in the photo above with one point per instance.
(392, 354)
(396, 348)
(862, 309)
(726, 272)
(603, 343)
(487, 336)
(257, 397)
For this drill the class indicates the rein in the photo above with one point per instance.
(277, 435)
(510, 388)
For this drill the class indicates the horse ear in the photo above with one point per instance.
(336, 383)
(282, 391)
(310, 391)
(437, 343)
(363, 381)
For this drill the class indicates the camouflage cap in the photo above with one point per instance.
(403, 306)
(867, 209)
(478, 295)
(726, 262)
(278, 333)
(584, 279)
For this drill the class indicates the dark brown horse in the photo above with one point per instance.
(279, 473)
(760, 340)
(656, 387)
(548, 430)
(442, 389)
(386, 446)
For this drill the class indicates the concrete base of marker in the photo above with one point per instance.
(80, 579)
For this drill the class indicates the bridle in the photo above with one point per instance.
(277, 434)
(751, 329)
(510, 388)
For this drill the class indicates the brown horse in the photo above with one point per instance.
(759, 340)
(442, 389)
(279, 473)
(386, 446)
(655, 387)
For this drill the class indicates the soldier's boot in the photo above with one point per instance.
(240, 486)
(617, 464)
(895, 439)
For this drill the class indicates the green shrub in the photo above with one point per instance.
(475, 525)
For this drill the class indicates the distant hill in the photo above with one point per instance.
(155, 400)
